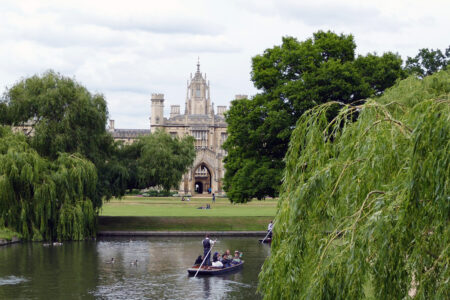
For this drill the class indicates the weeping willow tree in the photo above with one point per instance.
(43, 199)
(364, 209)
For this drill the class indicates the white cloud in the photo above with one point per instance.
(128, 50)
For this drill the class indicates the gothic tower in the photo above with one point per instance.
(198, 100)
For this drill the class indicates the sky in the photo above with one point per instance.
(127, 50)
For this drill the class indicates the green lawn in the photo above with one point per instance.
(174, 207)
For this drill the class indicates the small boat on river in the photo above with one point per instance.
(213, 270)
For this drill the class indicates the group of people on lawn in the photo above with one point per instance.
(219, 261)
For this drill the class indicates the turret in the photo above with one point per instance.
(157, 113)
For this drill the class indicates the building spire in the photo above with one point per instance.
(198, 64)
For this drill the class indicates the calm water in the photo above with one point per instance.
(79, 270)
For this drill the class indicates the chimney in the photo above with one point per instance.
(221, 110)
(174, 110)
(237, 97)
(111, 125)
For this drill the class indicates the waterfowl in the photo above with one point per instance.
(111, 261)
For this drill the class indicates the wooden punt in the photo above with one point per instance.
(213, 270)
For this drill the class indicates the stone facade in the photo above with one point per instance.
(199, 120)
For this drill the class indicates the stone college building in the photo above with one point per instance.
(200, 121)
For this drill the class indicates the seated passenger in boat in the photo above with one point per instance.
(236, 259)
(216, 262)
(225, 261)
(198, 261)
(228, 254)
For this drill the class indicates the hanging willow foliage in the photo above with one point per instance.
(44, 199)
(364, 209)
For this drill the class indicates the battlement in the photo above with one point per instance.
(156, 96)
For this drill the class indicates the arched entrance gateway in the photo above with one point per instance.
(202, 179)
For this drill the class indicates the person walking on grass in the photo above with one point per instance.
(214, 198)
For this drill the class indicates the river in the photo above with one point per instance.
(80, 270)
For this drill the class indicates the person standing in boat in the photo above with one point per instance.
(269, 229)
(207, 243)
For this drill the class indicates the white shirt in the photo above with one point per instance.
(217, 264)
(270, 227)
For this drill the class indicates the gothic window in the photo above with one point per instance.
(201, 172)
(201, 138)
(197, 91)
(199, 135)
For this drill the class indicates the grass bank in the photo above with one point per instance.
(108, 223)
(174, 207)
(8, 234)
(135, 213)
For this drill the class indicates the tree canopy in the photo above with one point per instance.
(41, 198)
(66, 118)
(364, 204)
(427, 62)
(293, 78)
(157, 160)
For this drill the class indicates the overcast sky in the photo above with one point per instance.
(128, 50)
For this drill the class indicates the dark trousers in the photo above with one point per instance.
(207, 260)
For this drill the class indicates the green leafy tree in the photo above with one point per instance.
(164, 159)
(364, 208)
(157, 160)
(293, 78)
(427, 62)
(66, 119)
(42, 198)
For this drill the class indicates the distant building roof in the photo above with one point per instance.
(129, 133)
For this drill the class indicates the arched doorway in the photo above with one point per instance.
(202, 179)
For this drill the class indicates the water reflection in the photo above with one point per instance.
(12, 280)
(82, 270)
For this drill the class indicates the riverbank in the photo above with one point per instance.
(14, 240)
(184, 224)
(8, 236)
(182, 233)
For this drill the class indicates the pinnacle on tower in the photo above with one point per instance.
(198, 64)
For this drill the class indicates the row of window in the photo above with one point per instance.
(202, 135)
